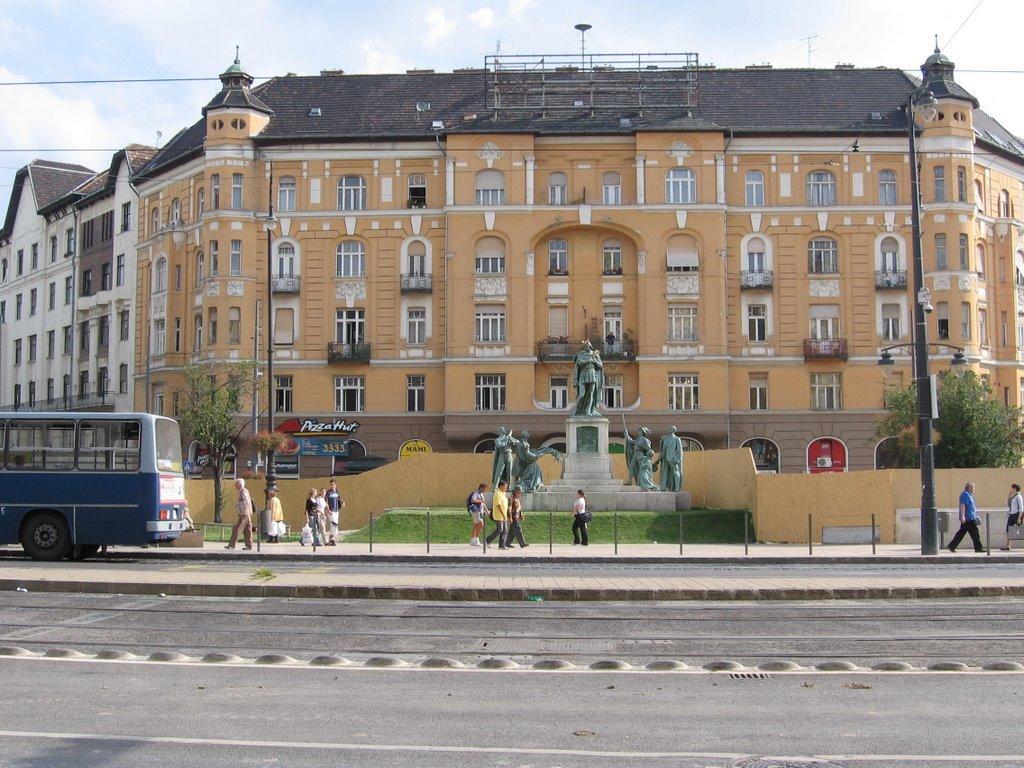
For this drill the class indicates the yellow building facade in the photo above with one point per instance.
(741, 256)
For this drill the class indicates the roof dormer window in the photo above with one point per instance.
(315, 112)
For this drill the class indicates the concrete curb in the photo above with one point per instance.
(505, 594)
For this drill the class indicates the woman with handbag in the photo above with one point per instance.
(580, 517)
(1015, 509)
(276, 529)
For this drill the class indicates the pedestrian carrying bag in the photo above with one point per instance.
(1015, 532)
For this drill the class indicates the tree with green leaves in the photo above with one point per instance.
(974, 430)
(210, 412)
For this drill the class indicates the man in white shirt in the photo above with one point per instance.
(1015, 507)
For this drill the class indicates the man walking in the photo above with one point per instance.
(334, 505)
(499, 511)
(968, 521)
(515, 519)
(243, 508)
(477, 507)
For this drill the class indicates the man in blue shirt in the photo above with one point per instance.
(968, 521)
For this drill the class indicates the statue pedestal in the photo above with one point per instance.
(587, 461)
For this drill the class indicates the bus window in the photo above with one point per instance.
(3, 437)
(41, 445)
(168, 446)
(108, 445)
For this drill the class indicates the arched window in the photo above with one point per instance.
(979, 196)
(887, 454)
(765, 452)
(351, 193)
(756, 259)
(490, 256)
(417, 258)
(154, 220)
(681, 254)
(980, 254)
(286, 194)
(691, 444)
(351, 259)
(887, 187)
(1004, 204)
(558, 188)
(826, 454)
(754, 183)
(1018, 268)
(680, 186)
(890, 255)
(490, 187)
(175, 211)
(160, 275)
(611, 251)
(558, 257)
(417, 191)
(200, 202)
(821, 188)
(484, 446)
(823, 256)
(611, 188)
(286, 260)
(200, 267)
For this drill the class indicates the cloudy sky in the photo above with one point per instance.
(44, 40)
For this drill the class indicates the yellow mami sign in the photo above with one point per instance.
(412, 447)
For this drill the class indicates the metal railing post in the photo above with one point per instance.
(873, 550)
(746, 532)
(615, 530)
(810, 535)
(551, 532)
(483, 533)
(428, 530)
(371, 533)
(988, 535)
(680, 513)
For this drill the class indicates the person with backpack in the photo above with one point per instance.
(477, 508)
(580, 517)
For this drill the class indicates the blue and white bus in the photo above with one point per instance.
(73, 482)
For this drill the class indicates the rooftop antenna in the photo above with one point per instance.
(583, 44)
(810, 50)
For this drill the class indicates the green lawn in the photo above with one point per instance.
(452, 526)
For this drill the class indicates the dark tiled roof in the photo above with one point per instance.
(138, 155)
(990, 132)
(51, 180)
(95, 184)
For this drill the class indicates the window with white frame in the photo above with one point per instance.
(236, 257)
(613, 390)
(887, 187)
(350, 259)
(983, 327)
(558, 257)
(236, 191)
(683, 392)
(891, 330)
(682, 322)
(939, 178)
(680, 186)
(613, 323)
(758, 391)
(754, 188)
(416, 259)
(351, 193)
(416, 393)
(823, 256)
(234, 325)
(160, 275)
(1004, 204)
(821, 188)
(349, 326)
(979, 251)
(417, 188)
(200, 202)
(979, 196)
(890, 254)
(757, 322)
(119, 272)
(349, 394)
(489, 324)
(211, 325)
(681, 254)
(558, 391)
(942, 319)
(214, 249)
(558, 322)
(1004, 331)
(175, 211)
(824, 322)
(159, 336)
(285, 260)
(284, 326)
(154, 225)
(200, 267)
(965, 320)
(416, 325)
(826, 391)
(286, 193)
(611, 251)
(197, 333)
(558, 188)
(490, 392)
(284, 394)
(941, 255)
(961, 184)
(756, 261)
(490, 187)
(611, 188)
(964, 250)
(490, 256)
(1020, 330)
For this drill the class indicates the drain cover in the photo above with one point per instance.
(774, 762)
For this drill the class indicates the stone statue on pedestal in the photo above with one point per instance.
(671, 462)
(527, 466)
(504, 456)
(639, 458)
(588, 380)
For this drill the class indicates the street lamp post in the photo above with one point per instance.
(269, 224)
(922, 102)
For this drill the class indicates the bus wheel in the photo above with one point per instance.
(45, 537)
(83, 551)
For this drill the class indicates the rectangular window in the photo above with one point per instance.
(283, 394)
(177, 334)
(123, 320)
(103, 331)
(558, 257)
(211, 325)
(87, 282)
(284, 326)
(69, 242)
(824, 322)
(214, 258)
(349, 394)
(941, 257)
(122, 378)
(490, 196)
(821, 188)
(490, 392)
(757, 322)
(67, 340)
(236, 257)
(490, 324)
(51, 344)
(416, 387)
(51, 297)
(490, 264)
(557, 193)
(613, 387)
(126, 216)
(1004, 331)
(965, 321)
(84, 340)
(236, 191)
(53, 248)
(558, 322)
(940, 183)
(612, 325)
(50, 392)
(35, 255)
(17, 307)
(1020, 332)
(109, 445)
(234, 325)
(823, 257)
(158, 337)
(40, 445)
(611, 190)
(33, 302)
(286, 195)
(891, 322)
(961, 184)
(102, 382)
(215, 191)
(754, 188)
(558, 392)
(32, 344)
(758, 391)
(682, 323)
(349, 326)
(416, 325)
(197, 333)
(826, 391)
(120, 277)
(983, 327)
(21, 262)
(683, 392)
(31, 394)
(68, 288)
(106, 277)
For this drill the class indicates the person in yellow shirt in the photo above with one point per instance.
(499, 513)
(276, 517)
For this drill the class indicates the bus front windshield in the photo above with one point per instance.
(168, 446)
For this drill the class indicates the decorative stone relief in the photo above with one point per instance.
(489, 220)
(213, 288)
(159, 303)
(350, 225)
(941, 282)
(963, 282)
(681, 219)
(490, 152)
(492, 286)
(585, 213)
(824, 287)
(417, 224)
(679, 150)
(236, 288)
(529, 262)
(684, 285)
(349, 291)
(755, 222)
(641, 262)
(822, 221)
(1020, 296)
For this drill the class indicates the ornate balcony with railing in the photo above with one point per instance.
(825, 349)
(552, 350)
(90, 402)
(343, 352)
(417, 283)
(895, 279)
(760, 280)
(285, 283)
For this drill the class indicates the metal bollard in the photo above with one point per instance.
(680, 532)
(483, 534)
(810, 535)
(371, 533)
(428, 530)
(988, 536)
(615, 530)
(746, 533)
(873, 550)
(551, 532)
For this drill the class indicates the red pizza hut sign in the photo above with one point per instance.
(315, 427)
